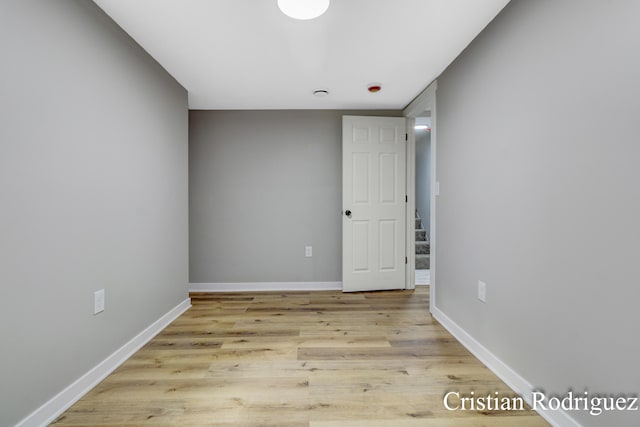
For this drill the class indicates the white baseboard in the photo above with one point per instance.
(265, 286)
(510, 377)
(52, 409)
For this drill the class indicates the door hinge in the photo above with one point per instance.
(406, 260)
(406, 199)
(406, 136)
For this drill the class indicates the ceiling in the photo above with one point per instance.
(246, 54)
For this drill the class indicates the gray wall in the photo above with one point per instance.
(423, 177)
(93, 187)
(540, 194)
(263, 185)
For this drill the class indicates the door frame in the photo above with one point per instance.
(424, 102)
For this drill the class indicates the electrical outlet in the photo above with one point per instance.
(98, 301)
(482, 291)
(308, 251)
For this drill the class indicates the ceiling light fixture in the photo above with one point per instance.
(303, 9)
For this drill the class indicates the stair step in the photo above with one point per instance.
(418, 223)
(423, 247)
(421, 235)
(423, 262)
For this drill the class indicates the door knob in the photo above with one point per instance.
(348, 213)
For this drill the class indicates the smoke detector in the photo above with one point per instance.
(321, 93)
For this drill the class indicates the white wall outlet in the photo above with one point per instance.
(482, 291)
(98, 301)
(308, 251)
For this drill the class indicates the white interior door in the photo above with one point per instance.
(373, 203)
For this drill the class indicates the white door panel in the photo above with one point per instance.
(374, 190)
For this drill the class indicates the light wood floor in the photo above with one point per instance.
(317, 359)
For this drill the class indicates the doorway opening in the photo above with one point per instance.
(423, 111)
(422, 134)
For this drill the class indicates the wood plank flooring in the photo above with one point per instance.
(316, 359)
